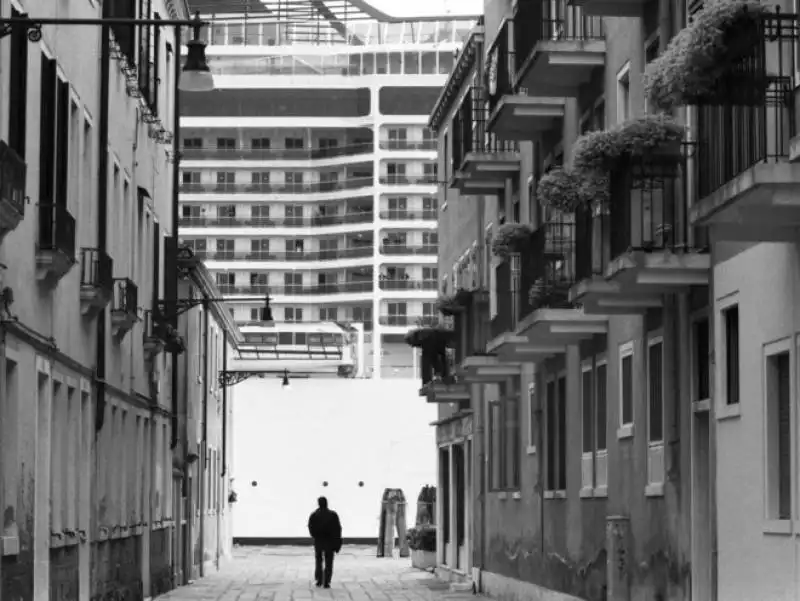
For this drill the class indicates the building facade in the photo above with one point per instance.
(311, 177)
(89, 410)
(612, 435)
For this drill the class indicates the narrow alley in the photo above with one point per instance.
(286, 574)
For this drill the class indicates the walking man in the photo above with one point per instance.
(326, 530)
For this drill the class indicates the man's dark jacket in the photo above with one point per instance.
(326, 529)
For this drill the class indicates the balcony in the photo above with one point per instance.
(352, 183)
(97, 280)
(298, 290)
(405, 215)
(639, 246)
(55, 254)
(746, 186)
(290, 256)
(481, 161)
(390, 285)
(420, 321)
(125, 307)
(548, 321)
(318, 221)
(402, 249)
(514, 115)
(557, 47)
(403, 145)
(428, 179)
(439, 385)
(248, 153)
(160, 336)
(13, 172)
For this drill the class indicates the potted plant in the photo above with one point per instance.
(655, 138)
(510, 238)
(696, 67)
(566, 189)
(422, 542)
(434, 337)
(452, 304)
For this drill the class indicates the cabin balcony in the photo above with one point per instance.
(745, 182)
(638, 245)
(513, 114)
(558, 47)
(12, 189)
(481, 161)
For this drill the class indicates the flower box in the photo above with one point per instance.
(423, 560)
(511, 238)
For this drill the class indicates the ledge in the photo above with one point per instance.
(586, 493)
(555, 494)
(531, 450)
(516, 495)
(729, 411)
(625, 431)
(654, 490)
(777, 526)
(601, 492)
(10, 545)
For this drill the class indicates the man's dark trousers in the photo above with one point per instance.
(326, 551)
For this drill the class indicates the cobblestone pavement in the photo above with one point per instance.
(286, 574)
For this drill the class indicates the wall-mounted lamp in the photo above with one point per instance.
(196, 76)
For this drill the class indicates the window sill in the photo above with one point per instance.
(586, 493)
(777, 526)
(516, 495)
(601, 492)
(729, 411)
(502, 496)
(555, 494)
(10, 545)
(654, 490)
(531, 450)
(625, 431)
(702, 406)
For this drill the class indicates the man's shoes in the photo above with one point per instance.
(319, 584)
(327, 586)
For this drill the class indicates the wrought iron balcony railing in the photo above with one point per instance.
(315, 221)
(126, 297)
(56, 230)
(409, 320)
(388, 285)
(267, 154)
(408, 180)
(538, 21)
(549, 271)
(283, 188)
(266, 255)
(13, 172)
(405, 215)
(470, 133)
(97, 269)
(408, 144)
(402, 249)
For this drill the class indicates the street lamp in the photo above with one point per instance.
(196, 76)
(286, 384)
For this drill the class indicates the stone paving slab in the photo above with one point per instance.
(286, 574)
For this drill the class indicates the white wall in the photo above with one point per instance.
(342, 431)
(758, 559)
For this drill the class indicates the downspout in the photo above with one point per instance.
(102, 218)
(478, 416)
(171, 289)
(203, 471)
(224, 406)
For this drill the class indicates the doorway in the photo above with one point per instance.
(702, 511)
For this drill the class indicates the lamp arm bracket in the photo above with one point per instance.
(33, 28)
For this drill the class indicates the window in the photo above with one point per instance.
(504, 441)
(600, 425)
(429, 207)
(778, 402)
(587, 428)
(624, 93)
(225, 180)
(259, 212)
(259, 248)
(655, 415)
(650, 54)
(260, 143)
(533, 408)
(226, 143)
(190, 177)
(292, 314)
(293, 283)
(626, 389)
(701, 372)
(730, 361)
(293, 143)
(226, 283)
(293, 179)
(328, 314)
(259, 178)
(259, 282)
(18, 88)
(294, 246)
(397, 314)
(226, 211)
(555, 435)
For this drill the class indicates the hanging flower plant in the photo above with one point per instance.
(511, 237)
(696, 67)
(651, 136)
(454, 303)
(432, 337)
(566, 189)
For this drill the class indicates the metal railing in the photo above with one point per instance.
(298, 290)
(549, 272)
(470, 133)
(315, 221)
(402, 249)
(405, 215)
(501, 52)
(288, 188)
(253, 255)
(254, 154)
(56, 230)
(752, 117)
(409, 320)
(551, 20)
(97, 269)
(408, 180)
(408, 145)
(386, 284)
(126, 297)
(13, 172)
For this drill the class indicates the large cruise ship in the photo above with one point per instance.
(309, 176)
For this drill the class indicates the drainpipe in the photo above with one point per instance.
(171, 263)
(478, 413)
(224, 407)
(202, 472)
(102, 218)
